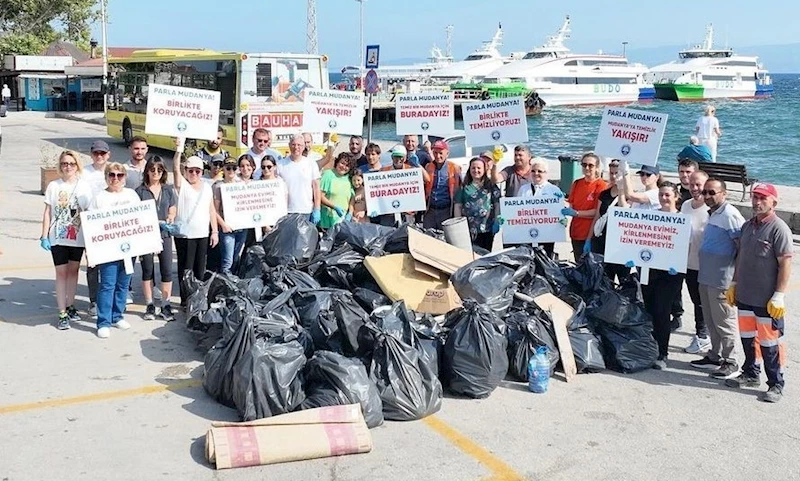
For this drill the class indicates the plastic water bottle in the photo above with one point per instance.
(539, 371)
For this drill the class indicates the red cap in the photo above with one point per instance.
(765, 190)
(440, 145)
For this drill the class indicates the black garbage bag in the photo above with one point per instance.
(397, 241)
(252, 263)
(628, 348)
(587, 348)
(493, 280)
(526, 331)
(367, 239)
(282, 278)
(550, 270)
(252, 287)
(534, 286)
(197, 303)
(614, 307)
(370, 300)
(338, 268)
(475, 359)
(292, 241)
(332, 379)
(403, 373)
(589, 275)
(431, 337)
(220, 360)
(579, 318)
(223, 286)
(280, 311)
(332, 317)
(267, 379)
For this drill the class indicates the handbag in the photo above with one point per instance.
(600, 223)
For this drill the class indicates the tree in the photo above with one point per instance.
(28, 26)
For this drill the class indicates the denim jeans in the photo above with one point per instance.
(231, 244)
(112, 293)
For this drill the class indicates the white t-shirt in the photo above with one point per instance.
(96, 178)
(134, 177)
(193, 210)
(653, 204)
(66, 200)
(298, 177)
(105, 199)
(259, 157)
(706, 125)
(699, 219)
(527, 190)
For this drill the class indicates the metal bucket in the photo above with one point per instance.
(456, 233)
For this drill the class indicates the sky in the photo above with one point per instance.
(409, 28)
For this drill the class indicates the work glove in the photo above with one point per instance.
(413, 160)
(569, 211)
(374, 213)
(348, 217)
(776, 307)
(334, 138)
(587, 246)
(730, 294)
(45, 243)
(559, 195)
(500, 220)
(497, 154)
(563, 221)
(315, 216)
(672, 271)
(629, 264)
(339, 211)
(496, 225)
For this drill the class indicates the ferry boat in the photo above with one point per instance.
(561, 77)
(476, 65)
(704, 72)
(401, 73)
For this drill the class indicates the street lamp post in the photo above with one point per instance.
(105, 54)
(361, 40)
(624, 48)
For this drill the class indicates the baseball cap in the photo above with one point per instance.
(765, 190)
(100, 146)
(217, 159)
(487, 154)
(399, 151)
(194, 162)
(440, 145)
(231, 161)
(649, 169)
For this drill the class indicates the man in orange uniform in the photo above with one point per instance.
(441, 187)
(584, 197)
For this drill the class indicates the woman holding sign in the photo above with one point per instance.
(583, 198)
(650, 175)
(154, 186)
(231, 241)
(195, 213)
(337, 193)
(479, 201)
(596, 243)
(61, 223)
(114, 280)
(664, 286)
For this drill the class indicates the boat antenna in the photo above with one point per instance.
(709, 41)
(448, 51)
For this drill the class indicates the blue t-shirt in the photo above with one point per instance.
(366, 169)
(718, 248)
(440, 193)
(699, 153)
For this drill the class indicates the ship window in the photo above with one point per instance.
(572, 63)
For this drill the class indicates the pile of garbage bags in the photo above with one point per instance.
(304, 325)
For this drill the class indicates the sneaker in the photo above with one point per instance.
(675, 324)
(728, 370)
(129, 300)
(93, 310)
(103, 333)
(743, 380)
(698, 345)
(73, 314)
(660, 364)
(63, 321)
(166, 313)
(706, 363)
(773, 394)
(149, 312)
(122, 324)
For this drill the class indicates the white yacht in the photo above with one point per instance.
(561, 77)
(477, 64)
(705, 72)
(401, 73)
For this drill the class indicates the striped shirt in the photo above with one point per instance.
(719, 247)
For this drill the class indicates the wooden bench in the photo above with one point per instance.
(729, 173)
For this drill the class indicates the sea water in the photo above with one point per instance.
(763, 134)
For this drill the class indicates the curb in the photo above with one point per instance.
(89, 120)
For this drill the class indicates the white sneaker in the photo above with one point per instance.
(698, 345)
(122, 324)
(129, 299)
(103, 333)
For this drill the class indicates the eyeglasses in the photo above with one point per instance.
(69, 164)
(586, 164)
(116, 175)
(155, 169)
(539, 171)
(267, 167)
(194, 170)
(709, 192)
(261, 141)
(230, 167)
(99, 152)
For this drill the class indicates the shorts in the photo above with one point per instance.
(64, 254)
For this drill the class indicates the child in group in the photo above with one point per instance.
(359, 202)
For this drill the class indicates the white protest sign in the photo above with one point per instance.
(424, 113)
(651, 239)
(498, 121)
(121, 232)
(391, 191)
(532, 219)
(333, 111)
(631, 135)
(182, 112)
(253, 204)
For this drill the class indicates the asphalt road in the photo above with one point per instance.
(73, 406)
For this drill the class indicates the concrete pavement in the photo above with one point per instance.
(130, 407)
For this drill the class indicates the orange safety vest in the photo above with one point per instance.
(453, 181)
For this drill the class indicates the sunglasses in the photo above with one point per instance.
(69, 164)
(230, 167)
(156, 169)
(709, 192)
(98, 152)
(539, 171)
(194, 170)
(260, 141)
(645, 174)
(586, 164)
(217, 164)
(116, 175)
(267, 167)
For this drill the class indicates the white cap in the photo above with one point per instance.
(194, 162)
(398, 151)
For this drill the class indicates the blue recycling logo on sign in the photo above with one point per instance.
(645, 255)
(534, 233)
(181, 126)
(625, 150)
(125, 247)
(425, 125)
(395, 204)
(495, 135)
(332, 124)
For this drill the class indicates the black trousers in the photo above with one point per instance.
(93, 281)
(616, 272)
(659, 294)
(191, 255)
(484, 240)
(701, 329)
(164, 262)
